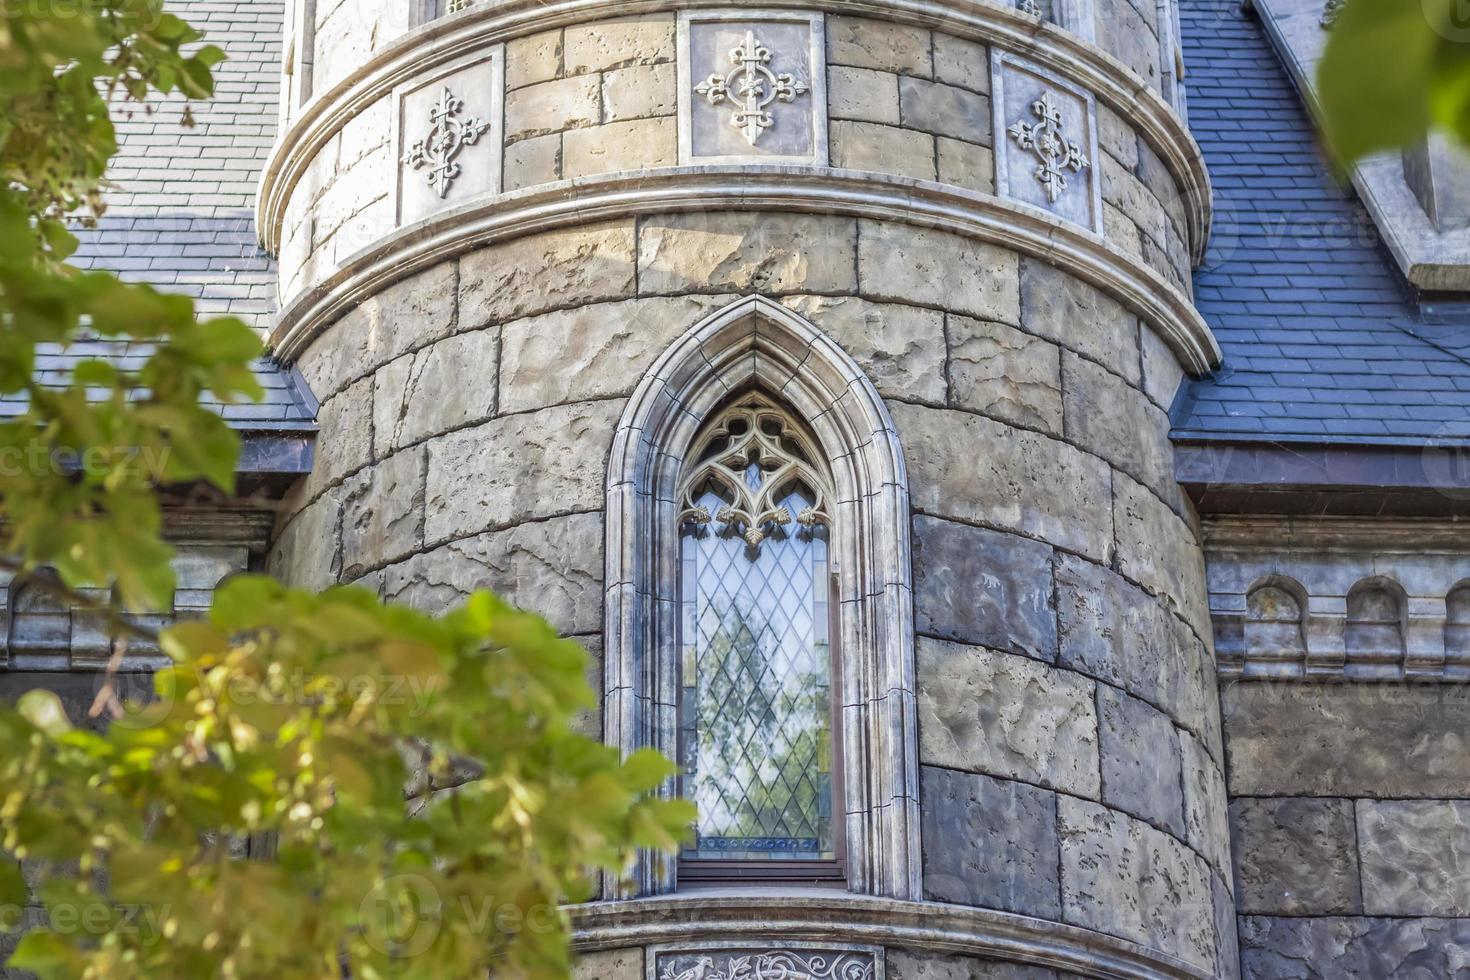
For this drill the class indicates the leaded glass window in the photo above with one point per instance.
(756, 670)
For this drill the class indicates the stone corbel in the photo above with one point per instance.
(1326, 621)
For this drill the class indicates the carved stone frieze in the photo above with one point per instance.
(776, 962)
(1047, 158)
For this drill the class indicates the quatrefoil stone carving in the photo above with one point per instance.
(1056, 152)
(751, 86)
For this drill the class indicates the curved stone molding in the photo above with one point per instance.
(479, 28)
(756, 341)
(840, 919)
(985, 217)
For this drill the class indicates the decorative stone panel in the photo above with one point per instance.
(756, 961)
(447, 132)
(752, 87)
(1046, 150)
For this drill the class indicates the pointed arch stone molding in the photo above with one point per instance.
(755, 342)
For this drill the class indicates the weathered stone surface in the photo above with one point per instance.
(1407, 740)
(1295, 856)
(933, 268)
(638, 92)
(307, 552)
(966, 164)
(1159, 551)
(1114, 631)
(999, 371)
(618, 43)
(551, 107)
(1416, 856)
(518, 468)
(977, 469)
(989, 842)
(1109, 417)
(533, 161)
(946, 110)
(726, 251)
(610, 964)
(441, 387)
(1140, 760)
(900, 347)
(1206, 805)
(961, 62)
(980, 586)
(589, 352)
(1116, 136)
(348, 415)
(1317, 949)
(1162, 374)
(1127, 193)
(1062, 308)
(872, 44)
(383, 513)
(1123, 877)
(905, 964)
(531, 59)
(1119, 229)
(637, 144)
(862, 94)
(1125, 34)
(542, 272)
(1007, 715)
(1227, 940)
(552, 567)
(882, 149)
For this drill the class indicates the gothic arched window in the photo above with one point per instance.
(757, 669)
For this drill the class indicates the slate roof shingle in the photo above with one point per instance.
(1320, 344)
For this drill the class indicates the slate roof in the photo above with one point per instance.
(181, 208)
(1320, 344)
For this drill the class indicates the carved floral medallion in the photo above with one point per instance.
(448, 134)
(751, 86)
(1056, 152)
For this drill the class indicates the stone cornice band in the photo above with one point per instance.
(843, 918)
(485, 24)
(898, 200)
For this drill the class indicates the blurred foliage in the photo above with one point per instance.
(321, 785)
(1394, 70)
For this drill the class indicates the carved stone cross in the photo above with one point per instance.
(1055, 152)
(447, 136)
(751, 86)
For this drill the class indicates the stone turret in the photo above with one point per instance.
(530, 252)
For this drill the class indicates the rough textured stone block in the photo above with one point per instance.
(932, 268)
(1416, 856)
(518, 468)
(1006, 715)
(1116, 137)
(637, 144)
(961, 62)
(533, 161)
(610, 964)
(547, 271)
(1288, 739)
(900, 347)
(550, 107)
(1206, 805)
(1123, 877)
(307, 552)
(531, 59)
(1315, 949)
(1109, 417)
(383, 513)
(1140, 760)
(873, 44)
(862, 94)
(904, 964)
(999, 371)
(728, 251)
(551, 567)
(444, 386)
(1035, 485)
(1157, 549)
(1064, 309)
(989, 842)
(1126, 34)
(638, 92)
(882, 149)
(1162, 374)
(589, 352)
(982, 586)
(966, 165)
(348, 415)
(1295, 856)
(945, 110)
(618, 43)
(1227, 939)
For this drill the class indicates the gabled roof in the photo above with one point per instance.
(1320, 342)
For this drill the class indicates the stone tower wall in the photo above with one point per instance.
(474, 354)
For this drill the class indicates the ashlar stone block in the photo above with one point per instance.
(1295, 856)
(1140, 760)
(1079, 316)
(906, 264)
(441, 387)
(997, 370)
(900, 347)
(1416, 856)
(542, 272)
(740, 252)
